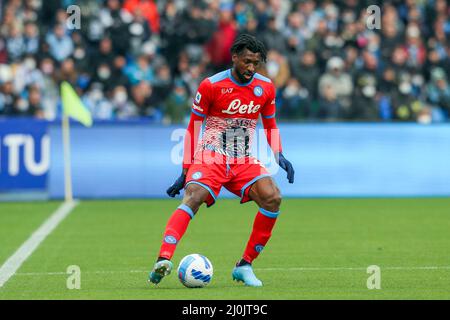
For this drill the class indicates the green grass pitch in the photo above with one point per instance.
(320, 249)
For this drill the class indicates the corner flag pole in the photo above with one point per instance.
(67, 162)
(72, 106)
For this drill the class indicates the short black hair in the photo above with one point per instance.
(247, 41)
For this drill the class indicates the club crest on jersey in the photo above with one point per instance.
(198, 97)
(258, 91)
(236, 106)
(197, 175)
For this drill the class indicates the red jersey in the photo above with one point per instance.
(231, 111)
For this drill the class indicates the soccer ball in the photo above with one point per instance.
(195, 271)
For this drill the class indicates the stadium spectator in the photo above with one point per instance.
(295, 103)
(26, 73)
(115, 21)
(438, 94)
(144, 98)
(329, 107)
(272, 37)
(367, 79)
(60, 44)
(105, 54)
(118, 77)
(414, 47)
(98, 104)
(305, 69)
(295, 29)
(122, 106)
(146, 9)
(405, 106)
(15, 43)
(31, 38)
(7, 98)
(140, 70)
(178, 105)
(35, 101)
(80, 54)
(49, 89)
(219, 46)
(277, 68)
(336, 87)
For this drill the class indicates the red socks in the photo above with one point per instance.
(179, 221)
(262, 230)
(175, 229)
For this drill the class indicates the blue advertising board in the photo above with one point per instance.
(140, 159)
(330, 160)
(24, 154)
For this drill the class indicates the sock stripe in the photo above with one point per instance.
(268, 213)
(186, 209)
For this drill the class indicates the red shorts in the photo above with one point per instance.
(236, 175)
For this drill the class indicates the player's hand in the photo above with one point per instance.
(176, 187)
(286, 166)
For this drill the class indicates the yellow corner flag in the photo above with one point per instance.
(72, 105)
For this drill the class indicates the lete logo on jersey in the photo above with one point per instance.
(236, 106)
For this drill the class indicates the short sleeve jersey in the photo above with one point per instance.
(231, 111)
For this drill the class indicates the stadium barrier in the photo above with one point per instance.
(135, 159)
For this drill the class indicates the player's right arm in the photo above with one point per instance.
(191, 140)
(200, 109)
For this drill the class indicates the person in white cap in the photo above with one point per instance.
(336, 82)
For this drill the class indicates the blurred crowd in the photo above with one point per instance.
(145, 58)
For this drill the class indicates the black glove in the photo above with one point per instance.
(286, 166)
(175, 188)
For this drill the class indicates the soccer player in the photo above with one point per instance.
(230, 103)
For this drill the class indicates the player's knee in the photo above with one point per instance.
(194, 197)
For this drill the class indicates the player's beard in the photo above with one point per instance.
(241, 77)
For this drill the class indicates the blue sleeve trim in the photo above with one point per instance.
(187, 210)
(198, 113)
(248, 184)
(268, 213)
(261, 77)
(268, 117)
(219, 76)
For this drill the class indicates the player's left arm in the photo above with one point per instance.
(273, 135)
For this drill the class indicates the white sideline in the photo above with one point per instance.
(9, 268)
(256, 269)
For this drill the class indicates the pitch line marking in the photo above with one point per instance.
(353, 268)
(256, 269)
(9, 268)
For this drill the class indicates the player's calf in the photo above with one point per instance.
(267, 195)
(175, 229)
